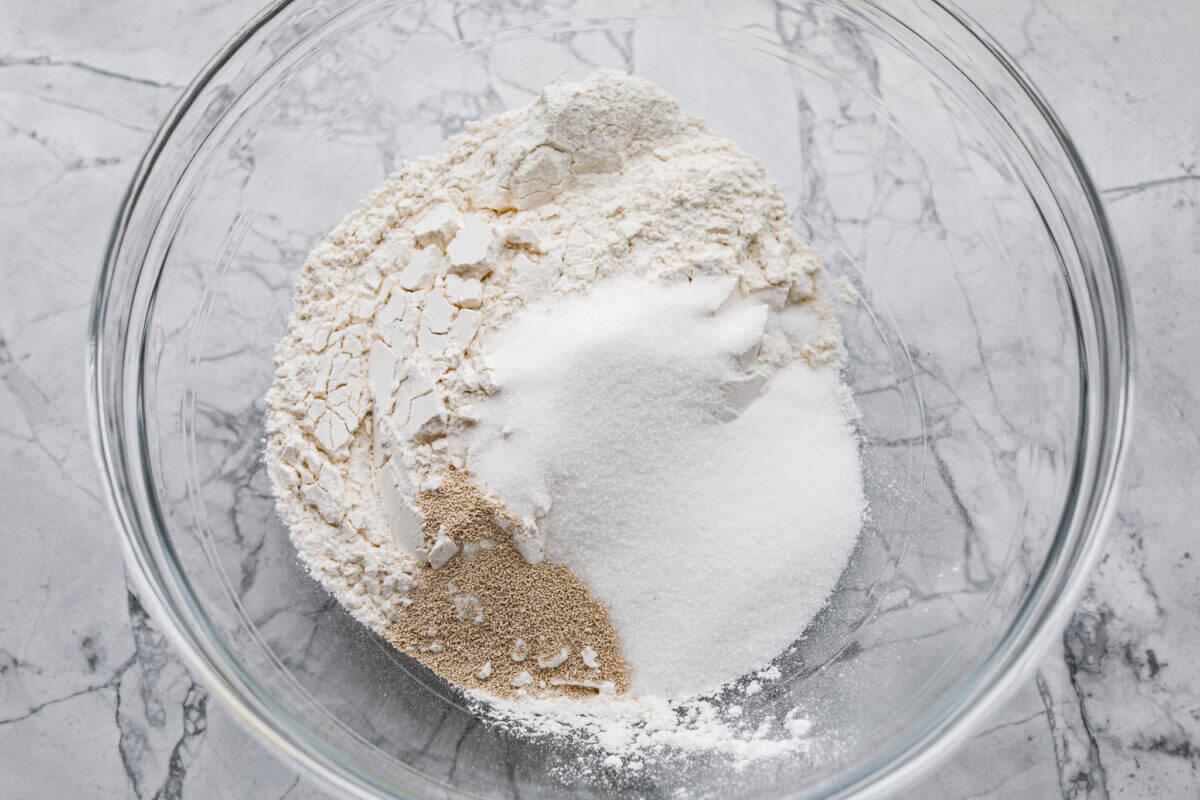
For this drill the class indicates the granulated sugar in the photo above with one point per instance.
(711, 502)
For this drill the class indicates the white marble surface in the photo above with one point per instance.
(93, 703)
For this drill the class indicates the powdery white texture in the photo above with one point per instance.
(380, 366)
(624, 732)
(710, 499)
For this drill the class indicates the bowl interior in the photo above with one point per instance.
(959, 317)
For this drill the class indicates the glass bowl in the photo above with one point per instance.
(985, 317)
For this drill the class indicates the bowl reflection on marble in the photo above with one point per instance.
(988, 353)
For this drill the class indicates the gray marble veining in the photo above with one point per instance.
(92, 701)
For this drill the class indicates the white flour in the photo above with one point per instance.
(626, 732)
(384, 379)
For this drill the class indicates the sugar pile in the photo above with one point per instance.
(714, 520)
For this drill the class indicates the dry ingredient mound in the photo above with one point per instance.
(384, 379)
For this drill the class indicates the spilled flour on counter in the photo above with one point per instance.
(559, 414)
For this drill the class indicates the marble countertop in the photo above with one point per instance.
(93, 703)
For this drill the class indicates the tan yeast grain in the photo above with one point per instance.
(477, 607)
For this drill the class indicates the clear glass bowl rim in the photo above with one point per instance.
(1106, 407)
